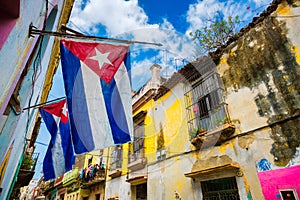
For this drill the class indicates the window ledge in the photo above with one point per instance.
(213, 137)
(115, 173)
(138, 164)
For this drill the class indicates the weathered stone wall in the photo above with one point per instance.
(262, 69)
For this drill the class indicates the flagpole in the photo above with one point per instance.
(34, 31)
(42, 104)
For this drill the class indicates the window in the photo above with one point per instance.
(141, 191)
(136, 148)
(116, 158)
(225, 188)
(97, 196)
(160, 154)
(288, 194)
(205, 107)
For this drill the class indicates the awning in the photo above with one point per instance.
(229, 166)
(137, 180)
(213, 166)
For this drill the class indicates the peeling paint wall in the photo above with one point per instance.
(261, 77)
(263, 66)
(166, 178)
(119, 187)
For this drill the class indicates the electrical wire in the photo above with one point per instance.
(37, 65)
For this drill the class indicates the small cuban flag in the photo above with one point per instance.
(98, 88)
(59, 157)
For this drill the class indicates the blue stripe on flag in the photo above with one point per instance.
(82, 143)
(48, 167)
(115, 110)
(67, 146)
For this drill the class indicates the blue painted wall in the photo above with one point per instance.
(13, 58)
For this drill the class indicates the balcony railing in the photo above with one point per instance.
(138, 150)
(27, 170)
(208, 127)
(70, 177)
(136, 160)
(92, 174)
(215, 118)
(134, 156)
(29, 162)
(116, 165)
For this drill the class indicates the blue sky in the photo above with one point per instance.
(168, 22)
(164, 21)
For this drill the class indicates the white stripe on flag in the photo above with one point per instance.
(101, 130)
(58, 157)
(124, 88)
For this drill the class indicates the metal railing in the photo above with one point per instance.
(214, 119)
(138, 150)
(29, 161)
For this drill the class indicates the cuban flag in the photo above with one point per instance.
(59, 157)
(98, 89)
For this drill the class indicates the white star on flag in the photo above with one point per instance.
(101, 58)
(65, 110)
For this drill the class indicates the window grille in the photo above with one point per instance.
(116, 158)
(220, 189)
(137, 146)
(205, 106)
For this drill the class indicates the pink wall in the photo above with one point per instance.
(9, 14)
(273, 180)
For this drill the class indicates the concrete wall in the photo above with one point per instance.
(260, 72)
(118, 186)
(14, 57)
(166, 124)
(166, 179)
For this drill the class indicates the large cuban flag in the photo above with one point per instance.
(59, 157)
(98, 88)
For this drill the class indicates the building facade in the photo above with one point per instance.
(225, 125)
(24, 61)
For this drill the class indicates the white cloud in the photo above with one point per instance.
(126, 20)
(140, 72)
(116, 16)
(200, 14)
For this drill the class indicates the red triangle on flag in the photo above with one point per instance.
(103, 59)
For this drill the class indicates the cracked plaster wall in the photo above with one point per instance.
(261, 76)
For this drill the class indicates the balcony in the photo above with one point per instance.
(92, 174)
(115, 169)
(212, 129)
(70, 177)
(27, 170)
(136, 160)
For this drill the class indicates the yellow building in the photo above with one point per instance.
(220, 126)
